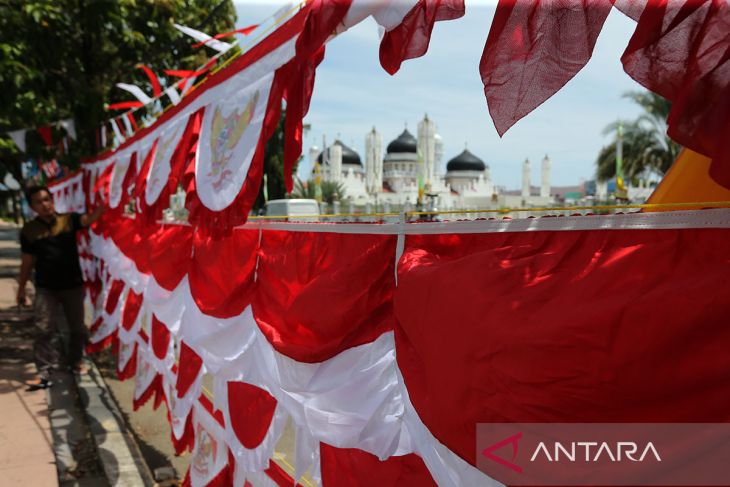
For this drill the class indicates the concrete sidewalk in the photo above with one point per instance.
(26, 442)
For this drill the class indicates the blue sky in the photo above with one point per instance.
(352, 93)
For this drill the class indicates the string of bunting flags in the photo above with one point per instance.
(383, 345)
(46, 133)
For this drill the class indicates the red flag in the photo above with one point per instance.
(681, 50)
(186, 73)
(51, 169)
(411, 37)
(298, 94)
(130, 117)
(156, 88)
(322, 20)
(533, 49)
(46, 135)
(124, 105)
(101, 187)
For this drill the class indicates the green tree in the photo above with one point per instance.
(61, 59)
(273, 166)
(646, 146)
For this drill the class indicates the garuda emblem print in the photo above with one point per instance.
(225, 133)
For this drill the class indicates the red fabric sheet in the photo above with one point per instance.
(160, 338)
(189, 366)
(221, 271)
(321, 293)
(252, 410)
(535, 47)
(170, 251)
(350, 467)
(567, 326)
(131, 309)
(117, 286)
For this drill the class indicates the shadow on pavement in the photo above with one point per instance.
(73, 446)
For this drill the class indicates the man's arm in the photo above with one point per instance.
(89, 218)
(26, 267)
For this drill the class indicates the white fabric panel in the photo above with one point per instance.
(121, 166)
(126, 349)
(387, 13)
(306, 453)
(217, 341)
(394, 13)
(159, 171)
(146, 371)
(179, 408)
(130, 335)
(210, 453)
(110, 322)
(228, 139)
(710, 218)
(168, 306)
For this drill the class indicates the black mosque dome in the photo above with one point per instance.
(349, 156)
(466, 161)
(405, 142)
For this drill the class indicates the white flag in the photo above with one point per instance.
(219, 46)
(103, 135)
(127, 125)
(118, 137)
(173, 94)
(70, 127)
(136, 91)
(18, 137)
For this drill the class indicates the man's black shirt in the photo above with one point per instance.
(54, 247)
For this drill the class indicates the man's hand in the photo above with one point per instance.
(26, 267)
(89, 218)
(22, 299)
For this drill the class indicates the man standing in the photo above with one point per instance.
(48, 246)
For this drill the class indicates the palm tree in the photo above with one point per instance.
(647, 149)
(331, 191)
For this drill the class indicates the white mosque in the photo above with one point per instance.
(391, 180)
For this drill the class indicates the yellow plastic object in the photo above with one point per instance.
(688, 180)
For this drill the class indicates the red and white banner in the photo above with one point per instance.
(499, 320)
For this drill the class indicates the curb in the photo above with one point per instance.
(119, 454)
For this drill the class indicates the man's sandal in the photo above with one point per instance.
(80, 368)
(37, 384)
